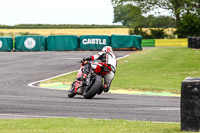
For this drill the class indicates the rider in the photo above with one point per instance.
(106, 68)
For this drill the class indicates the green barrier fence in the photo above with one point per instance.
(62, 42)
(30, 43)
(126, 41)
(93, 42)
(6, 44)
(148, 42)
(73, 42)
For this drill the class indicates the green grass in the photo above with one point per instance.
(73, 125)
(69, 78)
(159, 69)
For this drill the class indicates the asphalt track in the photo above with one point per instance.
(18, 100)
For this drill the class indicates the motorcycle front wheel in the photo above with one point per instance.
(71, 93)
(97, 84)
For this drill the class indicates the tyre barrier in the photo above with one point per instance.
(182, 42)
(72, 42)
(126, 41)
(198, 42)
(190, 104)
(92, 42)
(62, 43)
(148, 42)
(189, 42)
(194, 42)
(30, 43)
(6, 44)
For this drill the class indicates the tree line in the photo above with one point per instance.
(184, 16)
(60, 26)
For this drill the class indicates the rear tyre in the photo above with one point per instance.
(71, 93)
(94, 89)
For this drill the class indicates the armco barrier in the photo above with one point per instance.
(93, 42)
(148, 42)
(170, 42)
(126, 41)
(62, 42)
(6, 44)
(30, 43)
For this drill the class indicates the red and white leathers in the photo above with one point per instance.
(108, 63)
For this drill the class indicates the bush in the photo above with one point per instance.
(1, 34)
(154, 33)
(27, 33)
(158, 33)
(136, 31)
(188, 26)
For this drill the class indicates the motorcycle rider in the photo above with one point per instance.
(106, 68)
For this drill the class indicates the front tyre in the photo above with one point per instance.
(94, 89)
(71, 93)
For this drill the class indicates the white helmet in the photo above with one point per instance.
(107, 49)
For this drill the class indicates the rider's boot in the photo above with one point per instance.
(106, 88)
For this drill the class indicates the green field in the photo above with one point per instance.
(157, 70)
(73, 125)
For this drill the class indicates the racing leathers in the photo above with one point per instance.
(106, 68)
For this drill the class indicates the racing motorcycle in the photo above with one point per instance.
(87, 87)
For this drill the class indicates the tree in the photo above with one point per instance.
(177, 7)
(127, 14)
(159, 22)
(130, 15)
(189, 26)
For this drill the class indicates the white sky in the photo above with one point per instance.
(56, 12)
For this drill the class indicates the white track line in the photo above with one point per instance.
(32, 84)
(26, 116)
(17, 116)
(73, 58)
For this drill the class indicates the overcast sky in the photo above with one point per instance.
(56, 12)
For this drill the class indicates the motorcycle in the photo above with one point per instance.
(87, 87)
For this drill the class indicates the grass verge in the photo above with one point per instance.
(73, 125)
(157, 70)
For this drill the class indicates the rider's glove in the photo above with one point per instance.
(83, 59)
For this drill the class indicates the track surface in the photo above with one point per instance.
(18, 100)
